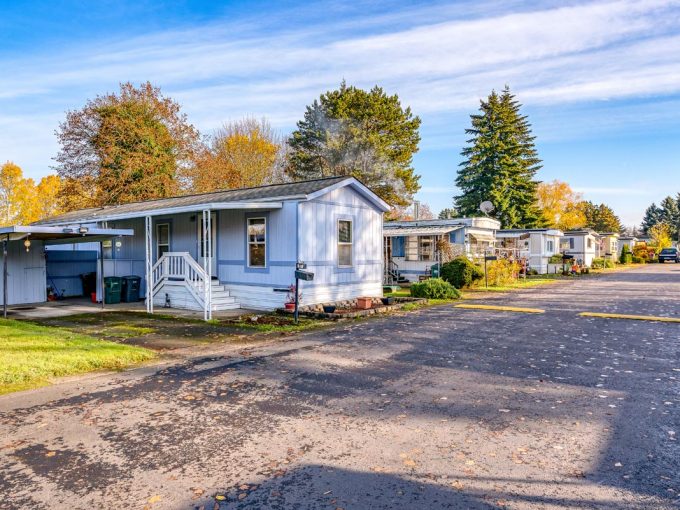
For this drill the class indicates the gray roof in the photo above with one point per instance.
(261, 194)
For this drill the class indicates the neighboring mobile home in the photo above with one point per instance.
(536, 246)
(629, 241)
(239, 248)
(609, 246)
(583, 245)
(410, 247)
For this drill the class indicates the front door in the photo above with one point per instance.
(213, 242)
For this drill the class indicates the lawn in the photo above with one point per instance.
(31, 355)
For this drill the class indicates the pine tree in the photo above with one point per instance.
(670, 215)
(652, 217)
(363, 133)
(600, 217)
(500, 164)
(448, 213)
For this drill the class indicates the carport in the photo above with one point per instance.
(17, 238)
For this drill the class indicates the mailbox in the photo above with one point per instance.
(491, 257)
(304, 275)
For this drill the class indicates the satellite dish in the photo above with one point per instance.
(486, 207)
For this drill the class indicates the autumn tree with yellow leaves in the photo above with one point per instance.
(242, 154)
(22, 201)
(560, 205)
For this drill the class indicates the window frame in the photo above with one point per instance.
(550, 246)
(433, 243)
(158, 238)
(250, 243)
(345, 243)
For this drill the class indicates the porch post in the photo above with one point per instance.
(4, 276)
(148, 244)
(101, 272)
(207, 264)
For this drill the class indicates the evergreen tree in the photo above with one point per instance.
(365, 134)
(600, 217)
(500, 164)
(652, 217)
(448, 213)
(670, 215)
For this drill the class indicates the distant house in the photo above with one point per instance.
(583, 245)
(629, 241)
(410, 247)
(609, 245)
(227, 249)
(536, 246)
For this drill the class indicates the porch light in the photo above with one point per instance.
(27, 244)
(83, 230)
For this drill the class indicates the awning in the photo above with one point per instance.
(56, 235)
(482, 235)
(418, 231)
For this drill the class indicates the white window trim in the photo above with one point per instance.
(421, 251)
(158, 238)
(248, 242)
(351, 243)
(548, 248)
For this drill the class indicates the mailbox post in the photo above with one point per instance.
(300, 274)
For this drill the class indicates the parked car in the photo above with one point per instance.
(669, 255)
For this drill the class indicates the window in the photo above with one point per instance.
(571, 243)
(344, 243)
(590, 243)
(162, 239)
(550, 246)
(257, 242)
(411, 248)
(426, 248)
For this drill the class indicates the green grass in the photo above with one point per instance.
(31, 355)
(271, 323)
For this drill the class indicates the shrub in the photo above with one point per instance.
(626, 255)
(556, 259)
(602, 263)
(502, 272)
(434, 288)
(461, 272)
(637, 260)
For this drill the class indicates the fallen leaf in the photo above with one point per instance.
(155, 499)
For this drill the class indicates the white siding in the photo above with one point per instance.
(318, 239)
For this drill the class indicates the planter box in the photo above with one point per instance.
(364, 303)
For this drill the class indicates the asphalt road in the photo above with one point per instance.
(440, 408)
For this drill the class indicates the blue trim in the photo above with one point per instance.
(307, 285)
(246, 267)
(398, 246)
(272, 263)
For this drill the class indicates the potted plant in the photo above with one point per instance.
(290, 298)
(364, 303)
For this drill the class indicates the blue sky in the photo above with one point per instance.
(600, 81)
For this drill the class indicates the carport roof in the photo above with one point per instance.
(61, 234)
(418, 231)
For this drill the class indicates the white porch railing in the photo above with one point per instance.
(180, 266)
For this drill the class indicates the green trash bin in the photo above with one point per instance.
(130, 291)
(434, 271)
(112, 288)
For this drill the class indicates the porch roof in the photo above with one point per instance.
(61, 234)
(418, 231)
(261, 197)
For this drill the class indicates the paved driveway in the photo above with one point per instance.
(442, 408)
